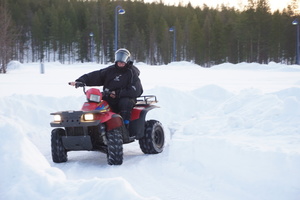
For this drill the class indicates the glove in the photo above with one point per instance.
(106, 92)
(114, 94)
(79, 84)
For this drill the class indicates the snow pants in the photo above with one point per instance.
(123, 106)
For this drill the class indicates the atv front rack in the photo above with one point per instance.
(146, 100)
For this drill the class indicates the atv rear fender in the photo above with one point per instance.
(137, 126)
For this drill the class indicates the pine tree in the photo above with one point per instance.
(58, 30)
(7, 37)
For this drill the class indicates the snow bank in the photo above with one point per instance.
(26, 174)
(232, 133)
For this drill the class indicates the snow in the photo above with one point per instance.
(232, 133)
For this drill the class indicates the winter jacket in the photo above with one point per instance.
(124, 81)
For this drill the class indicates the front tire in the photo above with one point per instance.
(154, 138)
(59, 153)
(114, 147)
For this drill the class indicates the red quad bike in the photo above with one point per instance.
(96, 128)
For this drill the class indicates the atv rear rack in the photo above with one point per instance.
(146, 100)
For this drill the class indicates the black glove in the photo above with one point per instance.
(114, 94)
(79, 84)
(106, 92)
(117, 93)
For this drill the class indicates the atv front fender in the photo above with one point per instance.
(115, 122)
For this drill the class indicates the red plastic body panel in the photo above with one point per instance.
(136, 111)
(104, 115)
(88, 106)
(91, 91)
(114, 122)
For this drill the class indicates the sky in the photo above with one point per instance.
(275, 4)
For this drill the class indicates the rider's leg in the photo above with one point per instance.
(125, 106)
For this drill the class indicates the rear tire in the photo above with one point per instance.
(154, 138)
(114, 147)
(59, 153)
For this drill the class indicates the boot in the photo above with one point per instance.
(126, 134)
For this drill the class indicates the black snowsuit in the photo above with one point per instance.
(124, 81)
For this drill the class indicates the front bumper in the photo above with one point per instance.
(73, 119)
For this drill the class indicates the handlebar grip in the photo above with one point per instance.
(79, 84)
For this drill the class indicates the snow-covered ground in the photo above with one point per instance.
(233, 132)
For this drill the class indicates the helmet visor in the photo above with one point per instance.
(122, 56)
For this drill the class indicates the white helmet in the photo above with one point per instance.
(122, 55)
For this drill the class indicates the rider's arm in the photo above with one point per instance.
(91, 79)
(95, 78)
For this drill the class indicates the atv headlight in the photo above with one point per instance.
(57, 118)
(88, 117)
(95, 98)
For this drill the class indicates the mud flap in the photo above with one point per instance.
(77, 142)
(126, 137)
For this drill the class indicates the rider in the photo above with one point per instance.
(121, 84)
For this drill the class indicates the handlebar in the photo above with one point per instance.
(78, 84)
(81, 84)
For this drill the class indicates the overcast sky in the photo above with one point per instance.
(274, 4)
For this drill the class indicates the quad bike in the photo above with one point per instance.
(96, 128)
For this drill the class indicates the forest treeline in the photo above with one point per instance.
(60, 30)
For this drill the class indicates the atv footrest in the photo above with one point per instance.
(77, 142)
